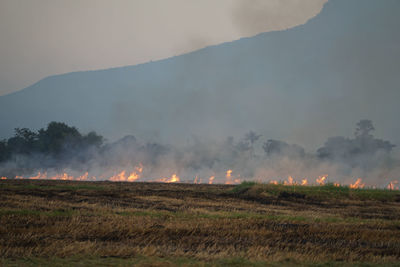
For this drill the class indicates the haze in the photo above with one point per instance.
(46, 37)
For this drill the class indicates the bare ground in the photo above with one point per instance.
(184, 224)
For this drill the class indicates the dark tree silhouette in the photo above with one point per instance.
(252, 137)
(23, 142)
(280, 148)
(364, 127)
(4, 151)
(360, 151)
(58, 137)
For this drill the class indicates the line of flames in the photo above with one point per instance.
(136, 174)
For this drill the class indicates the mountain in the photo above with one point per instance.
(300, 85)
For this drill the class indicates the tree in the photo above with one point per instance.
(24, 141)
(4, 151)
(363, 151)
(93, 139)
(280, 148)
(251, 137)
(58, 137)
(364, 127)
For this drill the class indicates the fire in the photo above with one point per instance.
(290, 181)
(39, 176)
(83, 177)
(392, 185)
(197, 180)
(121, 177)
(173, 179)
(357, 184)
(133, 176)
(321, 179)
(125, 176)
(139, 168)
(63, 176)
(229, 177)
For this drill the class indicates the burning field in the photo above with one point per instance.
(46, 222)
(69, 198)
(229, 179)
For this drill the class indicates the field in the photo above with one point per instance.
(59, 223)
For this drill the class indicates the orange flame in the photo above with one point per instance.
(357, 184)
(63, 176)
(392, 185)
(121, 177)
(133, 176)
(290, 181)
(321, 179)
(39, 176)
(83, 177)
(173, 179)
(139, 168)
(197, 180)
(229, 177)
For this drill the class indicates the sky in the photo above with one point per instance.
(47, 37)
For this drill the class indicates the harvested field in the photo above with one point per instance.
(105, 223)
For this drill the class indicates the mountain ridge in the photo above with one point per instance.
(235, 86)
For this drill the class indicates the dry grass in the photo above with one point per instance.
(61, 222)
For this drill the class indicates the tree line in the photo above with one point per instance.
(60, 145)
(56, 139)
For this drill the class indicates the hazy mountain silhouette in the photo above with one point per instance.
(299, 85)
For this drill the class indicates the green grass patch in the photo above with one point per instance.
(324, 192)
(243, 187)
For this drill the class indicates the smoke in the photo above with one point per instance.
(262, 16)
(249, 158)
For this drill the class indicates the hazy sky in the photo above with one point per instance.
(45, 37)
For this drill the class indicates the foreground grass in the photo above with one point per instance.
(328, 192)
(49, 223)
(170, 261)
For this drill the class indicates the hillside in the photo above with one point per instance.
(298, 85)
